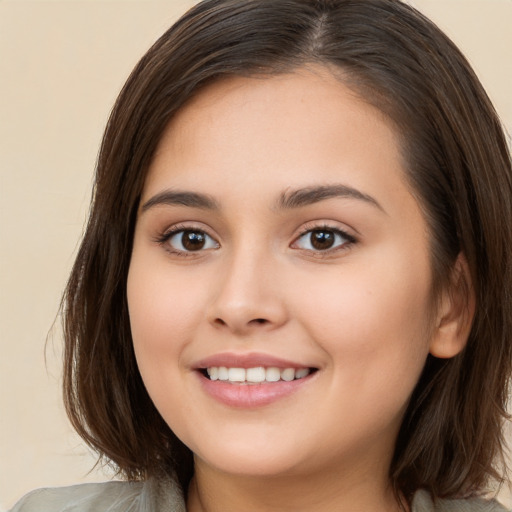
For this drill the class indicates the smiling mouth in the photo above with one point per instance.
(256, 375)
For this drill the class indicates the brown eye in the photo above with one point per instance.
(323, 239)
(190, 240)
(193, 240)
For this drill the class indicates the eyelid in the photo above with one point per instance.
(164, 237)
(325, 226)
(167, 234)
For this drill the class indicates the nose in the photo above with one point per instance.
(248, 296)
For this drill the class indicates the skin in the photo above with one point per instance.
(358, 312)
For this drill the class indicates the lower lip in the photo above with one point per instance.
(251, 395)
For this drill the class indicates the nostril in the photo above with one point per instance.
(219, 322)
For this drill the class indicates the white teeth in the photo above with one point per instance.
(288, 374)
(223, 373)
(213, 373)
(236, 375)
(256, 375)
(272, 374)
(303, 372)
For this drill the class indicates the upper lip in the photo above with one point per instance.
(249, 360)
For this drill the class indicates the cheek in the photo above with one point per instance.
(371, 318)
(161, 302)
(165, 310)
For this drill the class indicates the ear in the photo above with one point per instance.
(456, 312)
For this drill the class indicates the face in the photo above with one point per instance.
(279, 249)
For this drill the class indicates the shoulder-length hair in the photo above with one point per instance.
(458, 167)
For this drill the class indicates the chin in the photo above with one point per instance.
(251, 461)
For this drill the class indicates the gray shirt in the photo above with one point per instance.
(155, 496)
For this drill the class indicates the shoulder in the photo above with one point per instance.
(423, 502)
(147, 496)
(114, 496)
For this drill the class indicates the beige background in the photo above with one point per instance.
(62, 64)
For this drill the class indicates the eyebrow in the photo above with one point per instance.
(181, 198)
(311, 195)
(287, 200)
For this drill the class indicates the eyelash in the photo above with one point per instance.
(309, 230)
(164, 238)
(350, 240)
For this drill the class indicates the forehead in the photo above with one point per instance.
(312, 91)
(262, 122)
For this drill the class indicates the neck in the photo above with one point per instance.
(354, 491)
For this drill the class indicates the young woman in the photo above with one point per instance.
(294, 291)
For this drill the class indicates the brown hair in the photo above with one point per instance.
(458, 166)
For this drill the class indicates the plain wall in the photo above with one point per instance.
(62, 64)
